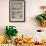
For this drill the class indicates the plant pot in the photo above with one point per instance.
(43, 23)
(9, 41)
(13, 38)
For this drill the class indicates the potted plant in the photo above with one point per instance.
(10, 31)
(42, 17)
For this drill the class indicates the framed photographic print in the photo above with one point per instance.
(16, 10)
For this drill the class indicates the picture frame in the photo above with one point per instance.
(17, 10)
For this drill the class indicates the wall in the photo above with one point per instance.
(28, 27)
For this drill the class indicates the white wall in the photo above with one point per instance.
(30, 25)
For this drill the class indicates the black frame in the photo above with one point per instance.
(9, 11)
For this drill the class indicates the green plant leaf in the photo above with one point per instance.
(10, 31)
(40, 18)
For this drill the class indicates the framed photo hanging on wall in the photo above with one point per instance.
(16, 10)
